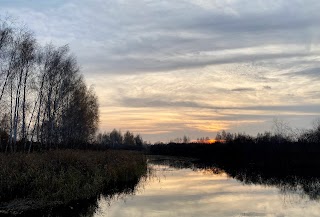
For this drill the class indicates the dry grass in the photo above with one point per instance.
(66, 175)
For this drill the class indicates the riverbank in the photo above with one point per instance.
(57, 178)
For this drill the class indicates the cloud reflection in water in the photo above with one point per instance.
(196, 192)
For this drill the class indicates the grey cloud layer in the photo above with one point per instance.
(150, 102)
(127, 36)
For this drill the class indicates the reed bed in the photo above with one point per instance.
(62, 176)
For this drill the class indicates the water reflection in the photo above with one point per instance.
(181, 187)
(185, 187)
(302, 185)
(303, 182)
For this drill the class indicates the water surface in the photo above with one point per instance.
(183, 189)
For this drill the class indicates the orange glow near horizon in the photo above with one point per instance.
(210, 141)
(207, 141)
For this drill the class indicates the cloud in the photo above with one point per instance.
(172, 35)
(313, 73)
(267, 87)
(243, 89)
(313, 108)
(142, 64)
(151, 103)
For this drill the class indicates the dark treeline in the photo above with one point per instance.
(276, 150)
(44, 101)
(116, 140)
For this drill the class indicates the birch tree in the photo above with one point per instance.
(43, 96)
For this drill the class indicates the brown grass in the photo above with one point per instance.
(66, 175)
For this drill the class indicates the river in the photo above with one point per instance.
(177, 187)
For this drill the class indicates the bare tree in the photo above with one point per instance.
(128, 139)
(43, 93)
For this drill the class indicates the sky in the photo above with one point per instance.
(168, 68)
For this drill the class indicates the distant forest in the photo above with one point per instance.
(44, 100)
(116, 140)
(283, 148)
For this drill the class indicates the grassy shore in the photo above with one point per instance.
(60, 177)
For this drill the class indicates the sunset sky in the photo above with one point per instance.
(168, 68)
